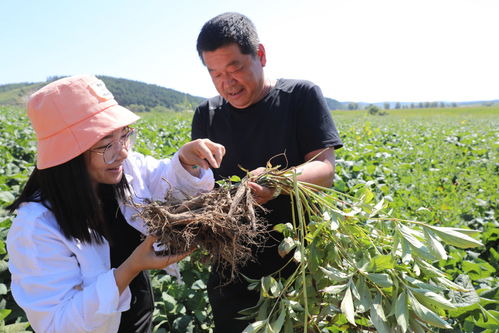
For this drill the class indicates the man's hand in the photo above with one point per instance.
(319, 171)
(262, 194)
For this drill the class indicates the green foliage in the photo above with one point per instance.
(357, 263)
(373, 110)
(182, 307)
(17, 152)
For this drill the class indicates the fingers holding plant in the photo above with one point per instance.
(202, 153)
(146, 257)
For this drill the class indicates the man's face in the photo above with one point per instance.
(237, 77)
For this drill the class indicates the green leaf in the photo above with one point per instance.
(491, 319)
(420, 284)
(464, 298)
(478, 269)
(365, 298)
(405, 255)
(367, 195)
(402, 311)
(334, 289)
(347, 307)
(6, 197)
(235, 179)
(429, 269)
(277, 325)
(377, 208)
(381, 263)
(426, 315)
(382, 280)
(270, 287)
(263, 310)
(286, 246)
(255, 327)
(451, 285)
(436, 248)
(413, 238)
(456, 237)
(334, 274)
(378, 317)
(4, 313)
(294, 305)
(168, 301)
(15, 328)
(3, 289)
(428, 297)
(283, 228)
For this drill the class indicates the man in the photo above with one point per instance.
(258, 120)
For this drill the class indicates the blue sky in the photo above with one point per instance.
(355, 50)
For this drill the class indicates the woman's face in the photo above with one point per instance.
(100, 172)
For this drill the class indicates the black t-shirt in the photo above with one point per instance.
(123, 239)
(293, 119)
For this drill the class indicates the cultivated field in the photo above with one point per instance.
(438, 166)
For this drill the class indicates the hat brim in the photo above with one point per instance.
(75, 140)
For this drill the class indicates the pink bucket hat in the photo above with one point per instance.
(70, 115)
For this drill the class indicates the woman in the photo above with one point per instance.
(76, 253)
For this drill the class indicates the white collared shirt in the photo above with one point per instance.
(68, 286)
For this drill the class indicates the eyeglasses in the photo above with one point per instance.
(112, 150)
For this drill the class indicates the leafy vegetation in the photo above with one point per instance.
(437, 166)
(358, 268)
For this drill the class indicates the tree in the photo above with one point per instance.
(375, 111)
(353, 106)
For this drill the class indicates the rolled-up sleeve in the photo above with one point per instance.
(160, 176)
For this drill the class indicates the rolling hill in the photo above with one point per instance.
(135, 95)
(140, 97)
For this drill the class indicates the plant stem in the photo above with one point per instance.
(301, 233)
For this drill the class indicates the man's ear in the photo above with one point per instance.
(261, 54)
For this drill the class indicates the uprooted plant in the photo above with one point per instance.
(223, 222)
(359, 269)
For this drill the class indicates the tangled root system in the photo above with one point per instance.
(224, 222)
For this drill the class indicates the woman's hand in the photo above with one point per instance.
(201, 153)
(143, 258)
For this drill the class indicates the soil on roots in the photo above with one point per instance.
(224, 222)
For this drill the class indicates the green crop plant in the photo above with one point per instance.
(358, 267)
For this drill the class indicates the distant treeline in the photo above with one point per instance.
(335, 105)
(144, 97)
(140, 96)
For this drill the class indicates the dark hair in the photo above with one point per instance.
(228, 28)
(66, 190)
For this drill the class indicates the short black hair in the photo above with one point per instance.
(66, 190)
(228, 28)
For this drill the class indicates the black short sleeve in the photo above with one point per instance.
(316, 128)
